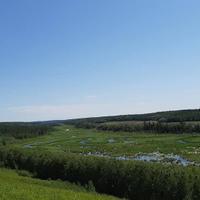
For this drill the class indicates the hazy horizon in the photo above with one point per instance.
(94, 116)
(72, 59)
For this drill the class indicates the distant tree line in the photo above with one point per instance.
(180, 127)
(126, 179)
(146, 126)
(161, 122)
(168, 116)
(20, 131)
(154, 127)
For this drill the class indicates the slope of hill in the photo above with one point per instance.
(15, 187)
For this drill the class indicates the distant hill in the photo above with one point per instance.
(164, 116)
(167, 116)
(178, 121)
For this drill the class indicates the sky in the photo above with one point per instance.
(62, 59)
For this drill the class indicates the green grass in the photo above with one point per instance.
(15, 187)
(70, 139)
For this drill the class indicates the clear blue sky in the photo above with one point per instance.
(62, 59)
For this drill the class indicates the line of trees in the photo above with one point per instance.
(146, 126)
(126, 179)
(169, 116)
(180, 127)
(160, 122)
(20, 131)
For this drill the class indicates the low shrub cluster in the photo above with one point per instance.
(128, 179)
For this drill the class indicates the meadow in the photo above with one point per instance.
(68, 139)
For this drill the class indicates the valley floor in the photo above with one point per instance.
(82, 141)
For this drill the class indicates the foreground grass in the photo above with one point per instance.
(15, 187)
(69, 139)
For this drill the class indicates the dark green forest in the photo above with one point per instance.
(22, 130)
(147, 126)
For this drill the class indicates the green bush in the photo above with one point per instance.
(24, 173)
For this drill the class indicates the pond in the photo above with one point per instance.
(149, 157)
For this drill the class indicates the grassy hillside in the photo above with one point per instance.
(15, 187)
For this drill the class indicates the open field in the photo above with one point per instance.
(15, 187)
(69, 139)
